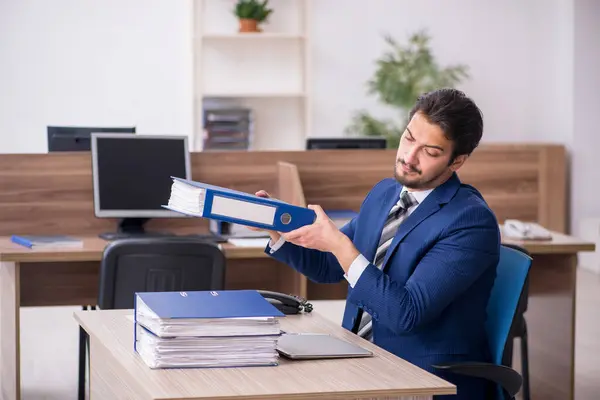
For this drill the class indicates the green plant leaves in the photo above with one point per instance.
(362, 123)
(253, 9)
(402, 74)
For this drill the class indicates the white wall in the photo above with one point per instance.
(129, 62)
(518, 53)
(585, 144)
(123, 62)
(93, 63)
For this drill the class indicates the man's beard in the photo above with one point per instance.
(414, 183)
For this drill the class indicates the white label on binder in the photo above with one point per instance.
(243, 210)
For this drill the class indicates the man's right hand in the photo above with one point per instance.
(275, 236)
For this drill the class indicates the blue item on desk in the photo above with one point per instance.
(38, 241)
(209, 304)
(203, 200)
(218, 328)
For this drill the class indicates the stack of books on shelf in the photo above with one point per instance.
(234, 328)
(227, 128)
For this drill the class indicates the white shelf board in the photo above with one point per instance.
(251, 36)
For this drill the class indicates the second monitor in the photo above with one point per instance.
(77, 138)
(339, 143)
(132, 178)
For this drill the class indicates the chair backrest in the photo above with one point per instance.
(525, 294)
(511, 274)
(157, 265)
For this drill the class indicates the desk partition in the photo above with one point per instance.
(53, 194)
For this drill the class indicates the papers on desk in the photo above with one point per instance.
(249, 242)
(206, 329)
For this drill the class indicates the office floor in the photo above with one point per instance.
(49, 345)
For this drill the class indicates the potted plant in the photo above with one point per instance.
(403, 73)
(251, 13)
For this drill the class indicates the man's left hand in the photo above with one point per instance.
(323, 235)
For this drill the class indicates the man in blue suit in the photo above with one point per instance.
(420, 257)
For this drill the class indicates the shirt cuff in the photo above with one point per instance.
(273, 248)
(356, 269)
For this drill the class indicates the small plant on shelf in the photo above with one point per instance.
(251, 13)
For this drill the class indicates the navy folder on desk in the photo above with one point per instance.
(203, 200)
(209, 304)
(39, 241)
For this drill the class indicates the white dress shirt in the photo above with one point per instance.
(360, 263)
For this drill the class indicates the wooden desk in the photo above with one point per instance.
(116, 371)
(70, 277)
(52, 277)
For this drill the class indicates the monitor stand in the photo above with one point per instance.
(132, 228)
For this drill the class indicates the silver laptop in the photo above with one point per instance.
(311, 346)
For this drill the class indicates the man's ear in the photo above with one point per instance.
(458, 162)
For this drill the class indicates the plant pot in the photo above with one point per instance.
(249, 25)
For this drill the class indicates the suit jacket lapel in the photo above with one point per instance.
(441, 195)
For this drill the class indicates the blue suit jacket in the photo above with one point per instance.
(429, 302)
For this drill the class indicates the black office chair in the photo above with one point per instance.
(519, 330)
(152, 265)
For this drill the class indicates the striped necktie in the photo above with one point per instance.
(397, 214)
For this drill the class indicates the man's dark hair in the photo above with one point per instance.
(457, 115)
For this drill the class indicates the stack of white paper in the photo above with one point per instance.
(187, 199)
(189, 351)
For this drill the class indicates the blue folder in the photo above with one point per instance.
(209, 304)
(233, 206)
(33, 241)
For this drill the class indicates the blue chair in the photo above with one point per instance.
(520, 331)
(511, 274)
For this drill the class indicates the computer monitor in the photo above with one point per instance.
(132, 178)
(77, 138)
(346, 143)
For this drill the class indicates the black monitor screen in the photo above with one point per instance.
(77, 138)
(346, 143)
(132, 175)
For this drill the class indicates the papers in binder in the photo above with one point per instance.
(208, 201)
(181, 352)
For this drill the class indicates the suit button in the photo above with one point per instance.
(360, 304)
(375, 316)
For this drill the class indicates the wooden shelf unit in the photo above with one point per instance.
(268, 72)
